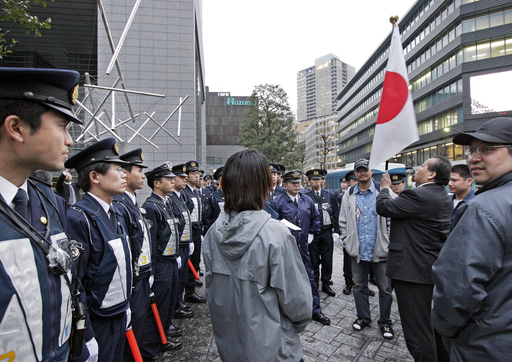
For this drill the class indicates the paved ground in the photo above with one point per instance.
(336, 342)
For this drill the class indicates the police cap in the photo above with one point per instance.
(164, 170)
(397, 178)
(274, 167)
(180, 170)
(292, 176)
(105, 150)
(280, 169)
(134, 157)
(350, 176)
(192, 166)
(218, 173)
(315, 174)
(55, 88)
(324, 173)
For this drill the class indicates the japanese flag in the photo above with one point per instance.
(396, 126)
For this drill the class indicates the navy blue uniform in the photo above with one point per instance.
(35, 304)
(165, 247)
(105, 271)
(138, 233)
(213, 207)
(196, 215)
(322, 248)
(305, 216)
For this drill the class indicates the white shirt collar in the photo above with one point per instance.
(294, 197)
(426, 183)
(178, 193)
(8, 190)
(103, 204)
(132, 197)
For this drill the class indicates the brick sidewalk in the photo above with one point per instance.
(336, 342)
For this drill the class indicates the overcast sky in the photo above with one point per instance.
(268, 41)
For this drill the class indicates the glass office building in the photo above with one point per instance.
(459, 60)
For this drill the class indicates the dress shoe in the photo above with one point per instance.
(347, 290)
(372, 280)
(199, 283)
(330, 282)
(182, 313)
(173, 331)
(194, 298)
(319, 317)
(371, 293)
(328, 290)
(171, 346)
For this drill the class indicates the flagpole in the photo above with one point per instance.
(393, 20)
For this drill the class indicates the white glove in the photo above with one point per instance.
(92, 347)
(128, 317)
(336, 238)
(202, 237)
(151, 280)
(310, 238)
(342, 243)
(178, 260)
(190, 248)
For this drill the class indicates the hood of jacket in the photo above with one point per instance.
(235, 233)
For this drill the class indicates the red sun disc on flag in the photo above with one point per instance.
(394, 96)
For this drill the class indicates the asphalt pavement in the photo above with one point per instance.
(335, 342)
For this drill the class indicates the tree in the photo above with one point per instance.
(17, 12)
(268, 126)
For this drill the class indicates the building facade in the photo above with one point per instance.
(224, 116)
(162, 53)
(459, 58)
(320, 144)
(318, 86)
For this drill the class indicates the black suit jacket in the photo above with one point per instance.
(63, 190)
(420, 223)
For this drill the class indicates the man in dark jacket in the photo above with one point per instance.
(420, 223)
(473, 293)
(67, 189)
(460, 185)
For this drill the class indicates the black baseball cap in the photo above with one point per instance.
(362, 162)
(496, 130)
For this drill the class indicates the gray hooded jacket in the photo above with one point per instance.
(257, 287)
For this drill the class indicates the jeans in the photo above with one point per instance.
(360, 272)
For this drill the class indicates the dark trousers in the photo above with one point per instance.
(110, 333)
(321, 251)
(414, 305)
(347, 268)
(195, 258)
(304, 253)
(165, 288)
(139, 304)
(183, 273)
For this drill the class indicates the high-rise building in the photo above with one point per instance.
(459, 60)
(318, 86)
(162, 53)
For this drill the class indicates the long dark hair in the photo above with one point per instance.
(246, 181)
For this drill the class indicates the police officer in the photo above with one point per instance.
(216, 201)
(138, 234)
(274, 171)
(280, 170)
(105, 268)
(300, 210)
(322, 248)
(165, 248)
(182, 207)
(35, 303)
(347, 260)
(397, 182)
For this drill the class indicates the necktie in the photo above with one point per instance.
(21, 203)
(295, 202)
(318, 194)
(113, 220)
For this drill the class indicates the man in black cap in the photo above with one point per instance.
(182, 207)
(472, 300)
(397, 182)
(66, 188)
(35, 109)
(196, 216)
(105, 265)
(280, 170)
(300, 210)
(274, 171)
(138, 233)
(322, 247)
(165, 238)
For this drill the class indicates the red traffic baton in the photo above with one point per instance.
(133, 345)
(193, 269)
(163, 338)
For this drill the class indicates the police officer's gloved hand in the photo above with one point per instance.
(128, 318)
(336, 238)
(92, 347)
(151, 280)
(178, 260)
(310, 238)
(191, 248)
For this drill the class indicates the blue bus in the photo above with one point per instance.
(332, 181)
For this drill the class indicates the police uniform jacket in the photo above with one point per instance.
(213, 207)
(304, 215)
(105, 264)
(35, 304)
(196, 213)
(138, 232)
(181, 207)
(327, 206)
(164, 230)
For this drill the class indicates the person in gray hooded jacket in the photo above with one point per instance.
(257, 287)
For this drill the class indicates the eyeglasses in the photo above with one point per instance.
(482, 150)
(119, 169)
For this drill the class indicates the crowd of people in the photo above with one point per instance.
(90, 274)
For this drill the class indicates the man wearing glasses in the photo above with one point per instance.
(473, 292)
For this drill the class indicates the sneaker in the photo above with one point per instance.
(359, 324)
(387, 332)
